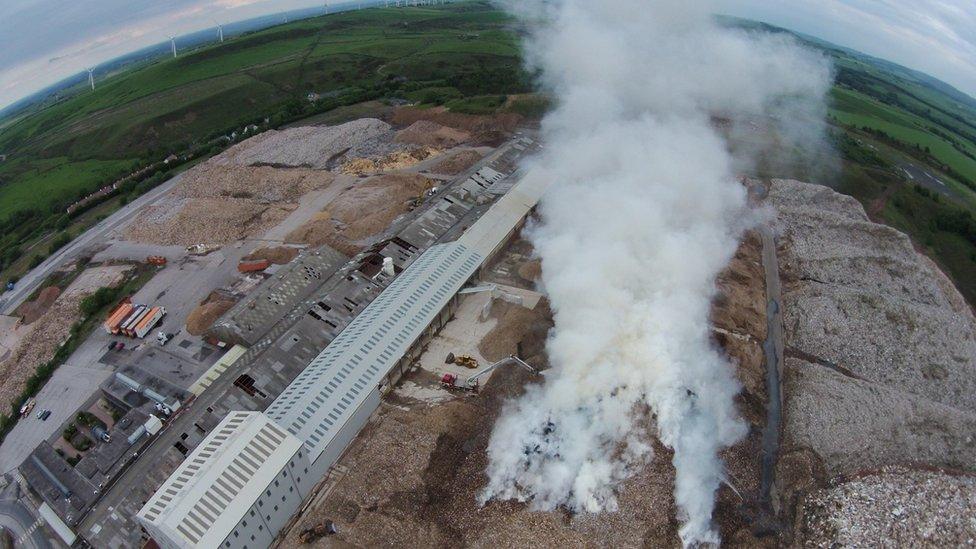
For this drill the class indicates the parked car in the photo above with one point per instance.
(111, 346)
(45, 415)
(120, 346)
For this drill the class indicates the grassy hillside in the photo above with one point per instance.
(182, 106)
(885, 118)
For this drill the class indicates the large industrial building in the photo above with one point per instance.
(318, 343)
(236, 489)
(328, 403)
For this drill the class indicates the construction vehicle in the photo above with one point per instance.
(451, 381)
(466, 361)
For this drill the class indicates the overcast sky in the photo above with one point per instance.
(43, 41)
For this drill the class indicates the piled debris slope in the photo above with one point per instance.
(883, 508)
(216, 204)
(881, 361)
(362, 212)
(42, 337)
(320, 147)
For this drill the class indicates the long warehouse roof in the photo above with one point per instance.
(320, 400)
(205, 498)
(316, 405)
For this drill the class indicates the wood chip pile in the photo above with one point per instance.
(361, 212)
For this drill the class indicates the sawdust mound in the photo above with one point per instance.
(203, 317)
(30, 311)
(517, 329)
(321, 147)
(279, 255)
(457, 162)
(261, 183)
(483, 129)
(205, 221)
(361, 212)
(216, 204)
(49, 331)
(398, 160)
(432, 134)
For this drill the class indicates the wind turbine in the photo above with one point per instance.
(220, 32)
(91, 78)
(326, 8)
(172, 43)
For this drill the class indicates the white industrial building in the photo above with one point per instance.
(323, 409)
(236, 489)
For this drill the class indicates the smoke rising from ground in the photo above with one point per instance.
(644, 212)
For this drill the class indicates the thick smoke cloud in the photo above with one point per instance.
(644, 212)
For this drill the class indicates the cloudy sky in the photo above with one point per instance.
(43, 41)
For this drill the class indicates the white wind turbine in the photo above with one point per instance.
(220, 32)
(91, 78)
(172, 44)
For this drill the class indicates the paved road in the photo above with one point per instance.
(23, 525)
(30, 281)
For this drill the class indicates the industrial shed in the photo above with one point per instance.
(236, 489)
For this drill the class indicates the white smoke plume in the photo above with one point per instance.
(644, 212)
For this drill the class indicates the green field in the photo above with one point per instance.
(61, 152)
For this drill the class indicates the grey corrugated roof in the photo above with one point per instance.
(325, 394)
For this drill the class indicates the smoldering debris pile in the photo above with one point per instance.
(361, 212)
(279, 255)
(203, 317)
(632, 237)
(320, 147)
(479, 129)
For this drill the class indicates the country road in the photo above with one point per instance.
(24, 527)
(9, 301)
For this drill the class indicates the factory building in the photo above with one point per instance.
(252, 317)
(371, 326)
(238, 488)
(324, 408)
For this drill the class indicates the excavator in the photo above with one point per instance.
(466, 361)
(451, 381)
